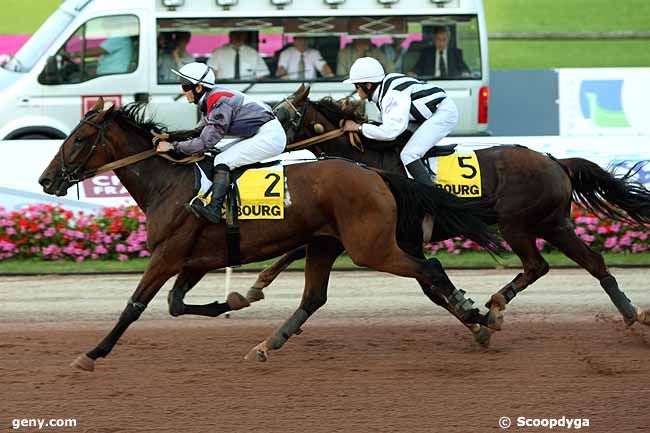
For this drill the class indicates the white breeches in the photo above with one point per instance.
(269, 141)
(431, 131)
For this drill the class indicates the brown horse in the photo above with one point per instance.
(531, 192)
(335, 205)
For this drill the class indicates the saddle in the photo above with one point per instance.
(437, 151)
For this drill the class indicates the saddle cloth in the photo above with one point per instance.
(458, 173)
(259, 191)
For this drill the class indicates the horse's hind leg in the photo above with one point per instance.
(482, 334)
(321, 254)
(268, 275)
(535, 267)
(384, 255)
(570, 244)
(186, 280)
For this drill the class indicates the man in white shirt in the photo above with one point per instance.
(301, 63)
(238, 61)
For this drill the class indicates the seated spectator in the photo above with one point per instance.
(301, 63)
(357, 49)
(238, 61)
(114, 54)
(394, 52)
(173, 55)
(444, 61)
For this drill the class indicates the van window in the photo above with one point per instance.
(320, 48)
(40, 42)
(101, 46)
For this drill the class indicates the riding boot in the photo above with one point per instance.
(420, 172)
(220, 185)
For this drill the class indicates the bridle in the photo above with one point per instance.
(296, 117)
(72, 175)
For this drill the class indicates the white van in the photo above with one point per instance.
(123, 50)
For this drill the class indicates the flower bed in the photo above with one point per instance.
(52, 233)
(601, 234)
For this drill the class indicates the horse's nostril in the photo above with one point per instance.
(45, 182)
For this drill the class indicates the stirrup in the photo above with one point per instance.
(191, 206)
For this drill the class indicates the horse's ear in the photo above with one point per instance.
(99, 105)
(301, 94)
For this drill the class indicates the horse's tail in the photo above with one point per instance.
(451, 215)
(601, 191)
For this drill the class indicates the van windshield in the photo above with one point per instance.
(40, 42)
(302, 49)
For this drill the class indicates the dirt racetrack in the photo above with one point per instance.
(379, 357)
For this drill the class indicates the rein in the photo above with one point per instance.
(315, 140)
(137, 158)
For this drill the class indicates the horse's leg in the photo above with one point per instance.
(321, 254)
(185, 281)
(535, 267)
(565, 239)
(157, 273)
(383, 254)
(269, 274)
(481, 333)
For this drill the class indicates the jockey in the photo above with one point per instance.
(403, 101)
(225, 111)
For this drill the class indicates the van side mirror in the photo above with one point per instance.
(50, 74)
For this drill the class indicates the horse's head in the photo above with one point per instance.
(82, 151)
(99, 138)
(291, 112)
(302, 118)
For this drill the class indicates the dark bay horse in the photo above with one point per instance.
(531, 195)
(335, 205)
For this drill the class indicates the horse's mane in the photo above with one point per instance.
(334, 111)
(132, 117)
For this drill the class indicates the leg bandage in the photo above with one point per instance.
(288, 328)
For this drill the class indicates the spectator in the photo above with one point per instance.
(394, 52)
(115, 55)
(444, 61)
(238, 61)
(302, 63)
(357, 49)
(173, 55)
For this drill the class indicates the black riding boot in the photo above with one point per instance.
(220, 185)
(420, 172)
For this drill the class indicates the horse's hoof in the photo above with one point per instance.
(254, 295)
(494, 319)
(643, 316)
(482, 335)
(84, 362)
(236, 301)
(260, 353)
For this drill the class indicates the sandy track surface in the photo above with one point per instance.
(378, 357)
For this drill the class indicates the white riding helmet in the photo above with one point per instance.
(197, 73)
(366, 70)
